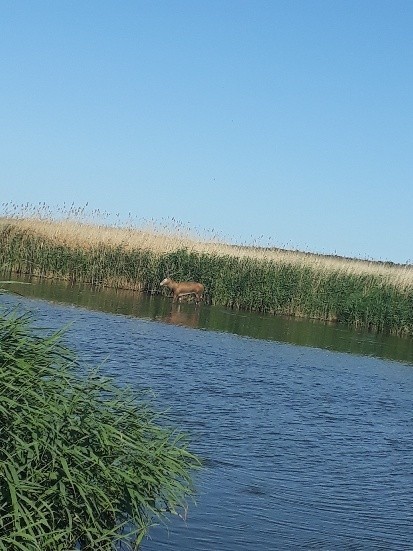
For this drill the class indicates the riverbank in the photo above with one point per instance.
(368, 294)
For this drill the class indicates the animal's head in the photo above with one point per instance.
(165, 281)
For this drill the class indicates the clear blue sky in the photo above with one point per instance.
(290, 120)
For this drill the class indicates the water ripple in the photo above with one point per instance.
(303, 448)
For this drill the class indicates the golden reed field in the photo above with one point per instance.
(73, 246)
(78, 234)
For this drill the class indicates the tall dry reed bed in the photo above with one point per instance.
(83, 464)
(365, 294)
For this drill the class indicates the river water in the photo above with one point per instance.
(305, 429)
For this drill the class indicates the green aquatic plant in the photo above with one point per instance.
(83, 464)
(378, 296)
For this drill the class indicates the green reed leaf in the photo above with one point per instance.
(80, 459)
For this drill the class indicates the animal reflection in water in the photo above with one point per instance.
(187, 318)
(183, 288)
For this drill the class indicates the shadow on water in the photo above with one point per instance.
(302, 332)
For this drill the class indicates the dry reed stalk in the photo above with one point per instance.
(78, 234)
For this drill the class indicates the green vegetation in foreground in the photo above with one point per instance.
(83, 465)
(359, 299)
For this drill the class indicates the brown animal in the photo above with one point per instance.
(183, 288)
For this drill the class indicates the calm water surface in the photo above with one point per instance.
(304, 447)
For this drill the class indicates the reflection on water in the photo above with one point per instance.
(179, 315)
(257, 325)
